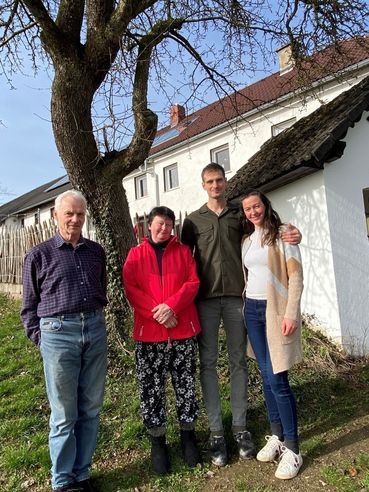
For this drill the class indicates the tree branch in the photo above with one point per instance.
(70, 18)
(42, 17)
(14, 34)
(212, 73)
(98, 14)
(145, 121)
(126, 11)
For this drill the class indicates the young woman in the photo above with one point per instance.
(161, 284)
(273, 287)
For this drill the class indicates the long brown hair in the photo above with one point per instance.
(272, 221)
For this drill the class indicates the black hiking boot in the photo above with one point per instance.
(218, 450)
(190, 450)
(246, 447)
(159, 455)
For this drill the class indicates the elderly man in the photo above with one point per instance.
(64, 293)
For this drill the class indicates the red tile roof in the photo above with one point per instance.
(332, 60)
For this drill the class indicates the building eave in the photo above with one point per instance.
(259, 110)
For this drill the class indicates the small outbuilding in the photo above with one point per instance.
(316, 174)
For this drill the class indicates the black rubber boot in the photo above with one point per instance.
(190, 451)
(159, 455)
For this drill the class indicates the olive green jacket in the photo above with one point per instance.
(216, 244)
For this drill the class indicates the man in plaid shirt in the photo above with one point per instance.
(64, 293)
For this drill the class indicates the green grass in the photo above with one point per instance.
(331, 392)
(243, 485)
(23, 415)
(349, 475)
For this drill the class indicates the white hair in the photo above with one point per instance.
(72, 193)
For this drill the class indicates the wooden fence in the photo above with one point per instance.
(14, 242)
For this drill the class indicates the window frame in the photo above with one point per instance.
(167, 174)
(282, 126)
(139, 191)
(214, 156)
(366, 208)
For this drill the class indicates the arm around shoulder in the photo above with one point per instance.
(291, 235)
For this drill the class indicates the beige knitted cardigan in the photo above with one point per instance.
(284, 289)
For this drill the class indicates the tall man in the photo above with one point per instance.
(64, 293)
(214, 234)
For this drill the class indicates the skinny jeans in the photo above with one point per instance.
(279, 399)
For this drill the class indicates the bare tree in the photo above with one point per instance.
(108, 50)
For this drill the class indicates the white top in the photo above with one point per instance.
(256, 262)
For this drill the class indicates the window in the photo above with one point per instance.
(37, 218)
(141, 186)
(366, 207)
(283, 125)
(220, 155)
(171, 177)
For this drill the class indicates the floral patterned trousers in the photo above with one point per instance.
(154, 360)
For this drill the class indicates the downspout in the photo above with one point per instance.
(154, 175)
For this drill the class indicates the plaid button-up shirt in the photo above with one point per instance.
(59, 279)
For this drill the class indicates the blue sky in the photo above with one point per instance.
(29, 156)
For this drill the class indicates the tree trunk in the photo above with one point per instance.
(110, 213)
(72, 94)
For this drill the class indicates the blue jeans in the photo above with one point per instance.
(74, 352)
(211, 312)
(279, 399)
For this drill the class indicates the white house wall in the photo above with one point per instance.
(11, 222)
(345, 179)
(244, 140)
(304, 204)
(44, 215)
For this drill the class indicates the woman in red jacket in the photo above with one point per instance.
(161, 283)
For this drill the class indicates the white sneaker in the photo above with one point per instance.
(271, 450)
(289, 464)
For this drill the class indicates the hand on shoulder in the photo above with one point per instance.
(291, 235)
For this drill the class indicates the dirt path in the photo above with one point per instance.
(337, 448)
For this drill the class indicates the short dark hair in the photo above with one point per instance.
(213, 167)
(162, 212)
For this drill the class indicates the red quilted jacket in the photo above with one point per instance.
(177, 287)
